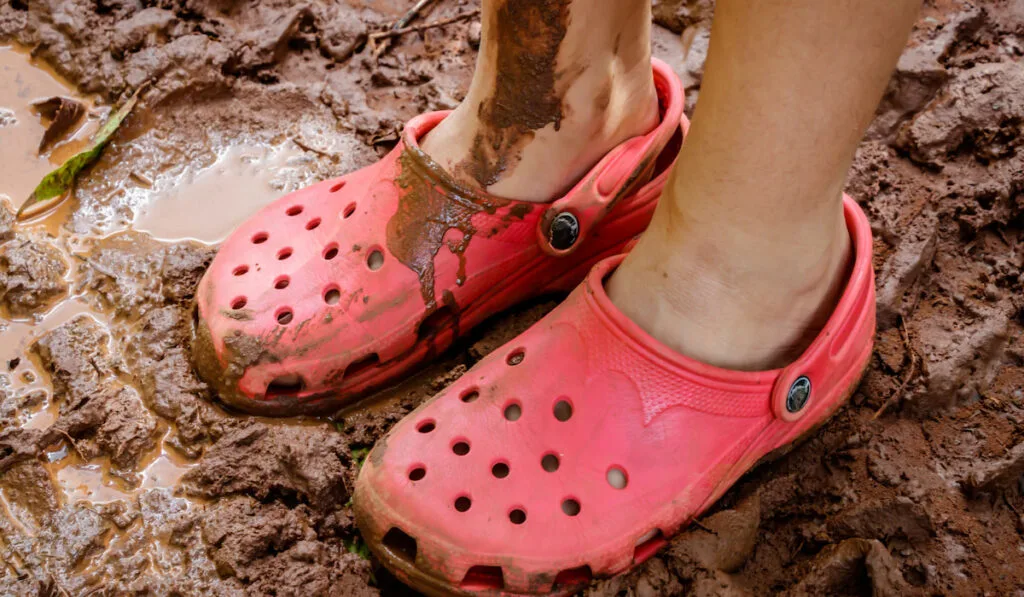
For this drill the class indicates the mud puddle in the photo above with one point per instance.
(201, 203)
(207, 205)
(27, 81)
(197, 203)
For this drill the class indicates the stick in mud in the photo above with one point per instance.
(374, 37)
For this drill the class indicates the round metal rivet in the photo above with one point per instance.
(565, 229)
(799, 392)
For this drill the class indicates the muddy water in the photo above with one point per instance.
(25, 81)
(207, 205)
(200, 204)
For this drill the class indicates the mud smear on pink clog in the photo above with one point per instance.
(432, 204)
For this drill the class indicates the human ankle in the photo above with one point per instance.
(750, 311)
(530, 125)
(600, 113)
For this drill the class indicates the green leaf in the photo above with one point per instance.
(359, 456)
(358, 547)
(57, 183)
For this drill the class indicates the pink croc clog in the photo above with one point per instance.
(341, 287)
(578, 448)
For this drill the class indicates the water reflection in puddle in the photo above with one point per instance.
(207, 205)
(87, 482)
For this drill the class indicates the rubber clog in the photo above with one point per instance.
(341, 287)
(576, 450)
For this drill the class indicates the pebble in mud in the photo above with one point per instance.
(31, 276)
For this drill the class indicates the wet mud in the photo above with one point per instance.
(425, 214)
(525, 55)
(121, 474)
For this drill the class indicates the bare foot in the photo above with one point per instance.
(729, 301)
(556, 87)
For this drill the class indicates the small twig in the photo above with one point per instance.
(106, 272)
(379, 48)
(374, 37)
(1006, 500)
(142, 178)
(799, 547)
(697, 524)
(307, 147)
(914, 358)
(411, 14)
(74, 445)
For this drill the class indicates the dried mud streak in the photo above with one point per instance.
(526, 95)
(430, 205)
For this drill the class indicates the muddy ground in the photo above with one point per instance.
(119, 473)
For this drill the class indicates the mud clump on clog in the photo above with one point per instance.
(241, 351)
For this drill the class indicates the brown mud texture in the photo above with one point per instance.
(119, 474)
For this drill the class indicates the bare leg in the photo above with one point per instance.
(747, 252)
(558, 83)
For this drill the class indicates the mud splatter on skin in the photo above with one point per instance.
(430, 206)
(526, 96)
